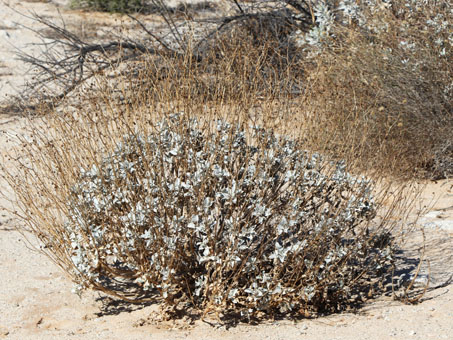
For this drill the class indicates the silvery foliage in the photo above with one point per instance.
(247, 225)
(368, 16)
(320, 32)
(344, 12)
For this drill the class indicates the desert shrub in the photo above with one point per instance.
(225, 221)
(183, 8)
(380, 83)
(391, 116)
(121, 6)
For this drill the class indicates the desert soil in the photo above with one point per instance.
(35, 296)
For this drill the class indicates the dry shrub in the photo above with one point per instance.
(234, 69)
(370, 105)
(204, 212)
(120, 6)
(385, 96)
(201, 217)
(145, 7)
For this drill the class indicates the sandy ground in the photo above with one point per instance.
(36, 300)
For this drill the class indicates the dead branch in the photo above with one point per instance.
(67, 60)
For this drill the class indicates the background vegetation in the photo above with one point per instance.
(121, 6)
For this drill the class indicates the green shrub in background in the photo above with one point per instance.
(120, 6)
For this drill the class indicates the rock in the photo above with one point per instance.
(3, 331)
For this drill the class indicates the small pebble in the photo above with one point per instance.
(3, 331)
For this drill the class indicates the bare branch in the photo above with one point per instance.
(68, 60)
